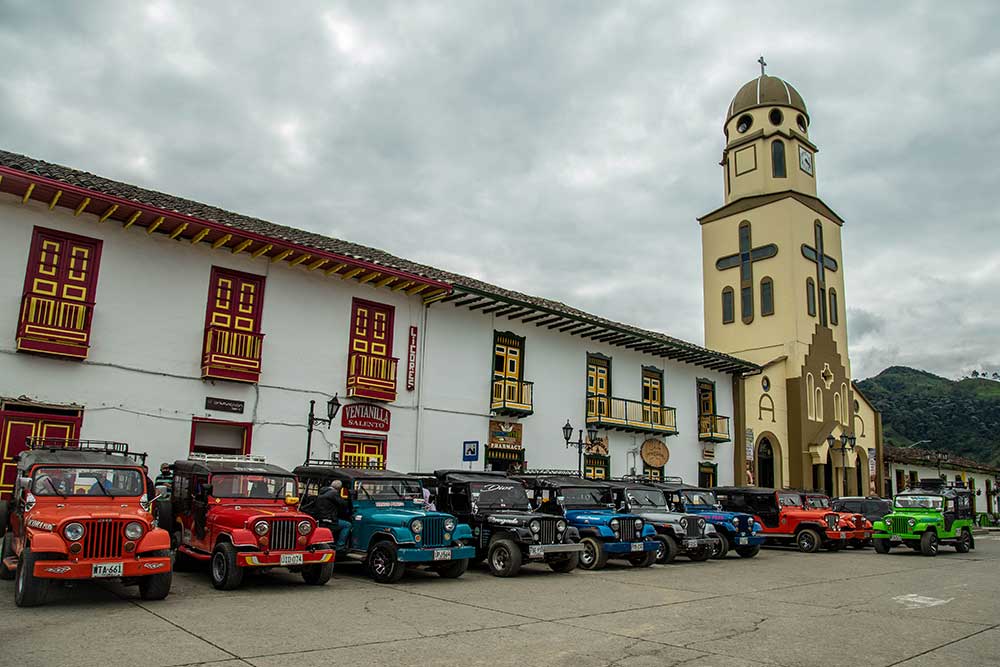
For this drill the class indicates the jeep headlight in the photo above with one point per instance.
(736, 523)
(449, 524)
(911, 522)
(684, 523)
(614, 524)
(417, 526)
(560, 525)
(535, 525)
(638, 524)
(73, 531)
(133, 530)
(304, 527)
(701, 524)
(261, 528)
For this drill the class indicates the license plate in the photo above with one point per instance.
(690, 544)
(895, 538)
(742, 540)
(442, 554)
(637, 546)
(106, 570)
(291, 559)
(535, 550)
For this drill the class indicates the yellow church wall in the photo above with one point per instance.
(764, 423)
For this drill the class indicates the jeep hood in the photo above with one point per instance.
(53, 514)
(240, 516)
(514, 518)
(398, 517)
(661, 517)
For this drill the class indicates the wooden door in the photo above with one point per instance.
(16, 427)
(598, 386)
(706, 398)
(235, 301)
(63, 266)
(507, 371)
(362, 452)
(371, 331)
(652, 397)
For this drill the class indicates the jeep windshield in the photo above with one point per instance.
(920, 502)
(583, 496)
(700, 498)
(253, 485)
(499, 495)
(789, 500)
(818, 502)
(647, 498)
(389, 489)
(74, 481)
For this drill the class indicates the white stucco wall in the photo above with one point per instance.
(976, 480)
(142, 384)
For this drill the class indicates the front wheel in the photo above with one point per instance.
(317, 575)
(454, 569)
(858, 544)
(807, 540)
(700, 554)
(834, 545)
(964, 543)
(666, 552)
(720, 547)
(6, 551)
(28, 590)
(226, 574)
(647, 559)
(748, 552)
(504, 558)
(564, 563)
(383, 563)
(882, 545)
(593, 556)
(929, 543)
(156, 586)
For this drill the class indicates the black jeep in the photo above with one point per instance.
(507, 531)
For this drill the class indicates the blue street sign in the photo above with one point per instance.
(470, 450)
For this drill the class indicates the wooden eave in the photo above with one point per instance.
(182, 227)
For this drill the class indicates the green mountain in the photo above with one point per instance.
(960, 416)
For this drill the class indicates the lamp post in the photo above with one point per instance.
(332, 408)
(846, 444)
(580, 443)
(939, 457)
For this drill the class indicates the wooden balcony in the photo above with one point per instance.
(512, 397)
(623, 414)
(713, 428)
(230, 354)
(49, 325)
(371, 376)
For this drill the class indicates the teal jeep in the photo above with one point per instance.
(926, 517)
(384, 522)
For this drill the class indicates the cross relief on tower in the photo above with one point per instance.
(745, 259)
(823, 263)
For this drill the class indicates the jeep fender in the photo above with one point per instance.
(462, 532)
(155, 540)
(511, 533)
(815, 526)
(590, 531)
(46, 543)
(665, 529)
(321, 536)
(572, 534)
(648, 531)
(240, 537)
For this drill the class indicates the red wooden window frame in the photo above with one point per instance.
(45, 423)
(60, 290)
(233, 342)
(371, 368)
(381, 440)
(246, 426)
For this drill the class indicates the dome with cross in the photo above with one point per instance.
(764, 91)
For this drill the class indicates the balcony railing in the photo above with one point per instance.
(230, 354)
(713, 428)
(512, 397)
(627, 415)
(50, 325)
(371, 376)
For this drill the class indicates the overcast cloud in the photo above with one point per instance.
(559, 148)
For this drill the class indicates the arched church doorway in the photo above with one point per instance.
(823, 476)
(765, 463)
(860, 476)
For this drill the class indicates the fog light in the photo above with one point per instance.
(264, 541)
(416, 538)
(75, 548)
(447, 536)
(303, 539)
(130, 547)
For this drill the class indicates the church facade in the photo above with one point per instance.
(773, 268)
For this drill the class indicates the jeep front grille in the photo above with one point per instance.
(831, 521)
(628, 531)
(102, 538)
(433, 533)
(693, 529)
(283, 534)
(746, 524)
(548, 533)
(900, 524)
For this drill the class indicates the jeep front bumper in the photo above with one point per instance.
(744, 540)
(689, 543)
(85, 569)
(432, 554)
(837, 535)
(623, 548)
(284, 558)
(543, 550)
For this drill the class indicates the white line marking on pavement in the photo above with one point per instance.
(914, 601)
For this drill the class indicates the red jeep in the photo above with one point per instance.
(855, 526)
(80, 510)
(785, 518)
(240, 512)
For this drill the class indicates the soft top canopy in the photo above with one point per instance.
(559, 481)
(751, 490)
(462, 476)
(213, 467)
(679, 486)
(348, 474)
(70, 457)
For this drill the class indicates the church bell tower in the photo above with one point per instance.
(774, 295)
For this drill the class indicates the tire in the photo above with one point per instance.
(28, 590)
(6, 551)
(964, 542)
(593, 556)
(383, 563)
(226, 574)
(667, 551)
(807, 540)
(929, 543)
(564, 563)
(165, 515)
(858, 544)
(720, 548)
(317, 575)
(882, 545)
(834, 545)
(156, 586)
(700, 554)
(4, 516)
(453, 569)
(647, 559)
(504, 558)
(748, 552)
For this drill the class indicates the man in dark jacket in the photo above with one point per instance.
(330, 508)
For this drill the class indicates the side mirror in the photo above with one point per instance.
(146, 504)
(23, 482)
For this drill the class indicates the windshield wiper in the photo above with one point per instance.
(103, 490)
(52, 484)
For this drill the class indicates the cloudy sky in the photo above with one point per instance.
(559, 148)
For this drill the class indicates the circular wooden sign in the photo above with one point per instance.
(654, 453)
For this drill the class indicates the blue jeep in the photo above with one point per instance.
(587, 506)
(384, 522)
(738, 530)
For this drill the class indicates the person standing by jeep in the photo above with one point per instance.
(329, 507)
(165, 478)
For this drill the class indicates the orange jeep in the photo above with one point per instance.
(81, 510)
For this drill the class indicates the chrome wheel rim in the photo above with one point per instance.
(218, 566)
(661, 550)
(589, 555)
(380, 564)
(805, 541)
(500, 558)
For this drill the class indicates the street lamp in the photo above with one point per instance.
(846, 444)
(332, 408)
(940, 456)
(580, 443)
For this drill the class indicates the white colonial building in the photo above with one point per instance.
(132, 315)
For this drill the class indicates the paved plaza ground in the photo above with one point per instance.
(782, 608)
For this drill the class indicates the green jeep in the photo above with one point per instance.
(925, 517)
